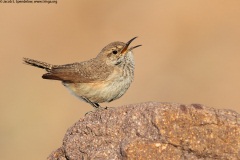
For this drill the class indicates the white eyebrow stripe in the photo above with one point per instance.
(119, 47)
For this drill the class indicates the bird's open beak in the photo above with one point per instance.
(125, 49)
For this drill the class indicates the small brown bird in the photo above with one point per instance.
(101, 79)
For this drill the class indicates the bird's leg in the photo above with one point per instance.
(95, 105)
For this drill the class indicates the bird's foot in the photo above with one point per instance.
(108, 107)
(99, 108)
(88, 112)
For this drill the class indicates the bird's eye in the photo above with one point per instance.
(114, 52)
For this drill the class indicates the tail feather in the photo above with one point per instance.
(38, 64)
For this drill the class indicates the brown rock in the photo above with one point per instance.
(153, 131)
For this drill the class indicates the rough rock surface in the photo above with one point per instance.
(153, 130)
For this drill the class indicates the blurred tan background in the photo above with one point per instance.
(190, 54)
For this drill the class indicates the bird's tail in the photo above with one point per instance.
(38, 64)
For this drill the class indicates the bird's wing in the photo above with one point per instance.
(83, 72)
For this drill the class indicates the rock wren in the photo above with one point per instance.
(101, 79)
